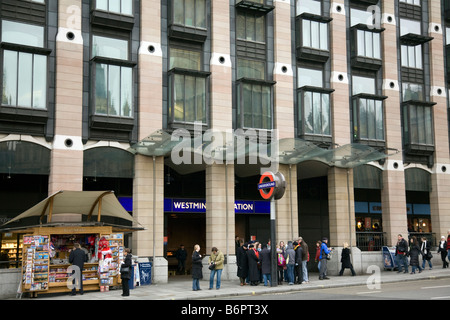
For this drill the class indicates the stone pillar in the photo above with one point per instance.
(342, 216)
(287, 224)
(66, 164)
(393, 197)
(220, 222)
(147, 211)
(440, 177)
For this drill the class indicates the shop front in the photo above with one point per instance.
(45, 246)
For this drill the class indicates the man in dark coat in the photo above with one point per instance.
(77, 258)
(242, 263)
(265, 264)
(298, 272)
(181, 256)
(253, 272)
(401, 252)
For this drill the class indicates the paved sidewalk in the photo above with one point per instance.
(180, 287)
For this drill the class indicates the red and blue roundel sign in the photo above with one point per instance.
(267, 185)
(271, 185)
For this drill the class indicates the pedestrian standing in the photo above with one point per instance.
(324, 252)
(253, 273)
(217, 258)
(242, 263)
(414, 251)
(266, 264)
(345, 260)
(290, 262)
(77, 258)
(197, 273)
(425, 247)
(125, 273)
(298, 263)
(401, 252)
(448, 245)
(281, 262)
(181, 256)
(305, 259)
(317, 257)
(442, 249)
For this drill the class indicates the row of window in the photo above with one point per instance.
(188, 84)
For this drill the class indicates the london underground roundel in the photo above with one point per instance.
(267, 185)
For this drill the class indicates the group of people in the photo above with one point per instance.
(415, 249)
(254, 264)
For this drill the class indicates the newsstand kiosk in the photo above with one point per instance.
(46, 247)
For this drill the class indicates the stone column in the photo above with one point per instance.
(342, 216)
(148, 196)
(440, 177)
(393, 199)
(66, 164)
(220, 220)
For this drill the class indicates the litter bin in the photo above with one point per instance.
(145, 273)
(389, 258)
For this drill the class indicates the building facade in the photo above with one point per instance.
(85, 82)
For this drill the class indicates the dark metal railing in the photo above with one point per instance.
(370, 241)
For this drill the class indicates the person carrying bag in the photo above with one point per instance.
(125, 273)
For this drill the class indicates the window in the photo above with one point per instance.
(254, 105)
(190, 13)
(22, 33)
(414, 2)
(315, 34)
(412, 56)
(365, 17)
(113, 79)
(412, 91)
(418, 124)
(309, 6)
(115, 6)
(250, 27)
(363, 85)
(187, 87)
(24, 81)
(309, 77)
(367, 118)
(410, 26)
(254, 69)
(368, 44)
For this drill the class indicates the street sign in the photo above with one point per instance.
(272, 185)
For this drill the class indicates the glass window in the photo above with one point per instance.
(414, 2)
(190, 13)
(412, 56)
(309, 77)
(250, 27)
(113, 90)
(116, 6)
(109, 48)
(24, 80)
(186, 59)
(410, 26)
(367, 17)
(309, 6)
(255, 106)
(368, 44)
(363, 85)
(314, 112)
(315, 34)
(412, 91)
(188, 98)
(22, 33)
(419, 124)
(253, 69)
(368, 119)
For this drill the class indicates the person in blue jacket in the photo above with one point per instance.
(324, 251)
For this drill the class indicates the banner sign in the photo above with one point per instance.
(199, 206)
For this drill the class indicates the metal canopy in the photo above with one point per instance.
(221, 147)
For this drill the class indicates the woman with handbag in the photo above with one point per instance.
(125, 273)
(427, 256)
